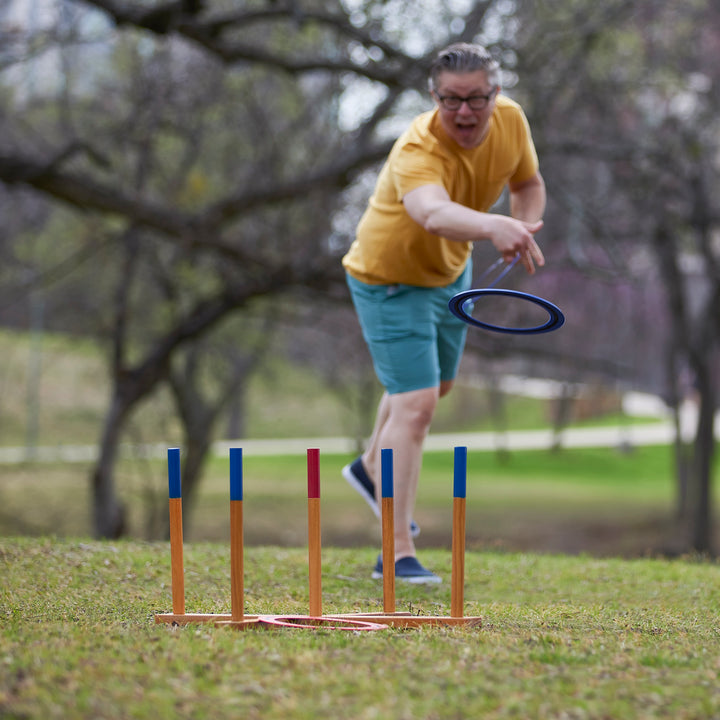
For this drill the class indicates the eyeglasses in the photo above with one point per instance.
(475, 102)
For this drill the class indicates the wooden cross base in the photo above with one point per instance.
(341, 621)
(215, 618)
(271, 621)
(327, 622)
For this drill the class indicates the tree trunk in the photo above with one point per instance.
(701, 520)
(682, 451)
(108, 512)
(109, 518)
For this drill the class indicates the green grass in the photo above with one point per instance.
(563, 637)
(599, 501)
(587, 635)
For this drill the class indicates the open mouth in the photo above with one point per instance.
(464, 129)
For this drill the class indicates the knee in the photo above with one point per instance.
(418, 415)
(421, 419)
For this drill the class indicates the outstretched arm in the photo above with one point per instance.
(431, 207)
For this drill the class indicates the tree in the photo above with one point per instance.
(148, 148)
(197, 218)
(643, 178)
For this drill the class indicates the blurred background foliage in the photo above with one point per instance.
(178, 181)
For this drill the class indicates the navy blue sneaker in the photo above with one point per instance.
(409, 570)
(358, 478)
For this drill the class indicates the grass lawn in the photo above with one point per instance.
(563, 637)
(599, 501)
(581, 618)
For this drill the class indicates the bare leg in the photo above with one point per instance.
(404, 423)
(372, 451)
(411, 416)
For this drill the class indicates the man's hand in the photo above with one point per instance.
(515, 237)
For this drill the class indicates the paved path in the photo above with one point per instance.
(659, 433)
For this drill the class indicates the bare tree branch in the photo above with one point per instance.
(88, 194)
(396, 70)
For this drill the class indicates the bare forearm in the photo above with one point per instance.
(457, 222)
(527, 201)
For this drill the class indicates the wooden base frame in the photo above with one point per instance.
(213, 618)
(339, 621)
(312, 622)
(396, 620)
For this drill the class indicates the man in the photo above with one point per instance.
(412, 253)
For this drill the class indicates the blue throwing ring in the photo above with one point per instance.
(457, 304)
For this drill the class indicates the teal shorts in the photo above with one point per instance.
(414, 340)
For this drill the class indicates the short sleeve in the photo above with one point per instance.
(414, 166)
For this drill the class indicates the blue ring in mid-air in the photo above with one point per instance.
(457, 303)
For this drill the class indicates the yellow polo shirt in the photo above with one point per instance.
(390, 247)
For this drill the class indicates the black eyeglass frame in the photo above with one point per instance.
(475, 102)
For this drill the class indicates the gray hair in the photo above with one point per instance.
(464, 58)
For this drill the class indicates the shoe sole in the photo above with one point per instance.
(413, 579)
(359, 488)
(355, 484)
